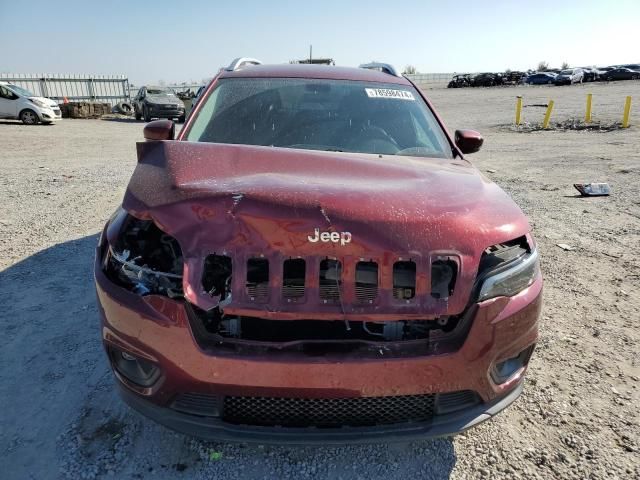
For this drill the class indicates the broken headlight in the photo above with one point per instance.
(143, 258)
(507, 269)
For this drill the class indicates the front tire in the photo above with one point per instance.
(29, 117)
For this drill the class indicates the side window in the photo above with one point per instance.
(7, 94)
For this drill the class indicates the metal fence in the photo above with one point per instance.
(111, 89)
(430, 80)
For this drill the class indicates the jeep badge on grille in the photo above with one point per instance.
(335, 237)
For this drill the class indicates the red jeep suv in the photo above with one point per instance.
(313, 259)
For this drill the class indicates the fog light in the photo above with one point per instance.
(504, 370)
(137, 370)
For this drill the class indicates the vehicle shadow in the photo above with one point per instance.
(60, 406)
(18, 123)
(51, 353)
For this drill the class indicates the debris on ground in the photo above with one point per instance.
(566, 125)
(566, 247)
(593, 189)
(215, 456)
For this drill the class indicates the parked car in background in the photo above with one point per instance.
(513, 77)
(621, 74)
(16, 103)
(459, 81)
(603, 70)
(569, 76)
(486, 80)
(157, 102)
(540, 78)
(632, 66)
(590, 74)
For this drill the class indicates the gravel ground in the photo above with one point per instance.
(578, 416)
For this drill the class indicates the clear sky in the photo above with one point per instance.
(174, 41)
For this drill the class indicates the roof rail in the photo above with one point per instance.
(381, 67)
(241, 62)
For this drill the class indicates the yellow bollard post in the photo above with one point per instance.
(627, 111)
(587, 116)
(547, 116)
(518, 109)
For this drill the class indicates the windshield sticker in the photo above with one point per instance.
(389, 93)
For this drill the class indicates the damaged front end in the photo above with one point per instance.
(261, 264)
(234, 292)
(142, 258)
(250, 335)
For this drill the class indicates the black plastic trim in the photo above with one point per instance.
(214, 429)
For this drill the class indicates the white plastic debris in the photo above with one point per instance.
(593, 189)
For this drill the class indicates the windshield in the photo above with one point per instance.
(21, 91)
(566, 72)
(332, 115)
(158, 91)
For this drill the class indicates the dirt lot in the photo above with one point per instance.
(579, 414)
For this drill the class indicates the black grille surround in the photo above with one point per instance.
(324, 412)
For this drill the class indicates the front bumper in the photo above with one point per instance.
(216, 430)
(162, 112)
(157, 329)
(50, 114)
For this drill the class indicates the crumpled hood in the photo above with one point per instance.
(250, 200)
(420, 202)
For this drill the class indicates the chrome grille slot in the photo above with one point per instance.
(366, 282)
(404, 280)
(443, 278)
(258, 279)
(330, 280)
(293, 278)
(216, 277)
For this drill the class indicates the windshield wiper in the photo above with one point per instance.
(314, 147)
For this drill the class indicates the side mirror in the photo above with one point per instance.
(468, 141)
(159, 130)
